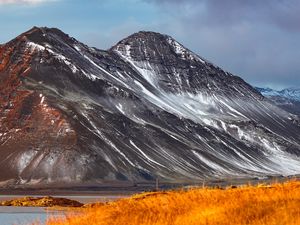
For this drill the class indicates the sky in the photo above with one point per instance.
(258, 40)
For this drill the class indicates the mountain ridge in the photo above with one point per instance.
(287, 99)
(291, 93)
(136, 112)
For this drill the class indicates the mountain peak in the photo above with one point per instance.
(44, 30)
(153, 46)
(143, 36)
(37, 32)
(40, 35)
(143, 39)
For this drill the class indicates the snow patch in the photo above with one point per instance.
(24, 159)
(183, 52)
(34, 46)
(42, 100)
(143, 154)
(210, 163)
(64, 59)
(120, 108)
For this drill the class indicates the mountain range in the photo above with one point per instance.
(290, 93)
(146, 108)
(287, 99)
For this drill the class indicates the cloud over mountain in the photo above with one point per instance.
(251, 32)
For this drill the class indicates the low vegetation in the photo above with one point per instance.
(277, 204)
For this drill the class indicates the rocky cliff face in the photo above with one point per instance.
(146, 108)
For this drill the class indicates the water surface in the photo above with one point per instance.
(24, 215)
(27, 215)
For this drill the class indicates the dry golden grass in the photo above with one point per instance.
(278, 204)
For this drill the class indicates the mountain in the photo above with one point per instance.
(289, 93)
(287, 99)
(146, 108)
(268, 91)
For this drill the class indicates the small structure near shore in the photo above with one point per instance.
(42, 202)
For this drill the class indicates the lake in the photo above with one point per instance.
(24, 215)
(27, 215)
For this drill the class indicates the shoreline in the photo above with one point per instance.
(128, 188)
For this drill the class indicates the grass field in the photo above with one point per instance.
(278, 204)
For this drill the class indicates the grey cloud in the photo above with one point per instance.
(283, 13)
(31, 2)
(257, 40)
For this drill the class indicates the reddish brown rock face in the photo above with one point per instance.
(29, 125)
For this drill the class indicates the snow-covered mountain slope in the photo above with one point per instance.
(287, 99)
(146, 108)
(290, 93)
(268, 91)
